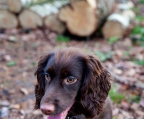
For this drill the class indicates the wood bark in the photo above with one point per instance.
(104, 9)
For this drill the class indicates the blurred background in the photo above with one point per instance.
(111, 29)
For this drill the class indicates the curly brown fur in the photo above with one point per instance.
(40, 86)
(89, 93)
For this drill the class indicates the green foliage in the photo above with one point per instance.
(112, 40)
(137, 99)
(139, 62)
(11, 63)
(136, 9)
(126, 53)
(115, 95)
(61, 38)
(104, 56)
(134, 98)
(139, 18)
(138, 30)
(114, 117)
(34, 64)
(139, 41)
(141, 1)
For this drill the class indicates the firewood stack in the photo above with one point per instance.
(79, 17)
(13, 14)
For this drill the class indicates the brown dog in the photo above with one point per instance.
(70, 83)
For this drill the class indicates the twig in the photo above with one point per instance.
(138, 84)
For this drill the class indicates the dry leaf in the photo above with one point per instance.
(135, 106)
(24, 91)
(125, 105)
(15, 106)
(115, 111)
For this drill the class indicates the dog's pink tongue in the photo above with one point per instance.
(61, 115)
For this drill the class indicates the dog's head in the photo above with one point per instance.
(71, 80)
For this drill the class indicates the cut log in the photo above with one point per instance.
(14, 5)
(54, 24)
(117, 24)
(79, 17)
(83, 17)
(119, 21)
(29, 19)
(7, 20)
(113, 28)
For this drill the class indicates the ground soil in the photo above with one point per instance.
(21, 50)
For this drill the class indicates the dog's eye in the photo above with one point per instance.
(70, 80)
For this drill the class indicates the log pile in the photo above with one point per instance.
(79, 17)
(14, 15)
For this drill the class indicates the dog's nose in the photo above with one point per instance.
(47, 109)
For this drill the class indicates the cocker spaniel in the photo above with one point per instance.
(72, 84)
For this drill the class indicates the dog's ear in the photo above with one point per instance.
(95, 88)
(39, 73)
